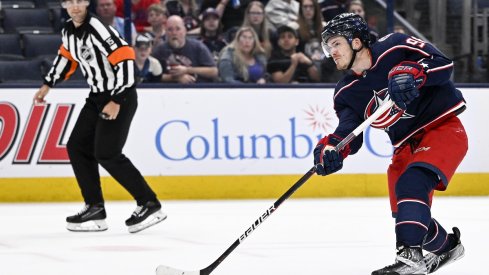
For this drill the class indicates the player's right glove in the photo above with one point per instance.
(326, 159)
(404, 81)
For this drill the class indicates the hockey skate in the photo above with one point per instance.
(90, 219)
(409, 261)
(434, 262)
(145, 216)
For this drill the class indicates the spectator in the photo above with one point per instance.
(331, 8)
(157, 16)
(184, 60)
(147, 68)
(399, 29)
(232, 15)
(310, 28)
(255, 18)
(106, 10)
(356, 7)
(188, 10)
(244, 60)
(281, 12)
(288, 66)
(211, 32)
(139, 12)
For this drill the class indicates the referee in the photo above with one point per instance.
(100, 132)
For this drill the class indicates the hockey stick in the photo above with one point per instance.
(166, 270)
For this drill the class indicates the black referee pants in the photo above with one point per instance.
(95, 141)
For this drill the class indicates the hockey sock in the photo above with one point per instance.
(414, 213)
(437, 240)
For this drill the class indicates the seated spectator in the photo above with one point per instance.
(157, 17)
(188, 10)
(399, 29)
(288, 66)
(356, 7)
(331, 8)
(255, 18)
(148, 69)
(244, 59)
(211, 32)
(106, 10)
(310, 28)
(281, 12)
(184, 60)
(231, 12)
(139, 12)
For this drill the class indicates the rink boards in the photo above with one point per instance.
(213, 143)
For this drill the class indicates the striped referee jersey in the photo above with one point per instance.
(105, 59)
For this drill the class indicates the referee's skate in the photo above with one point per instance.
(144, 216)
(90, 219)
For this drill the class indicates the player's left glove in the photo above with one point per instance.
(326, 159)
(404, 81)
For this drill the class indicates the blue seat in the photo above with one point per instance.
(36, 45)
(58, 19)
(24, 71)
(18, 4)
(47, 3)
(10, 47)
(27, 20)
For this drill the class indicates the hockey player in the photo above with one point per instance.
(107, 62)
(429, 139)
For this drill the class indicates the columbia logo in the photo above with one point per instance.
(421, 149)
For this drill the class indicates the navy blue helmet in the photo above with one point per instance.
(350, 26)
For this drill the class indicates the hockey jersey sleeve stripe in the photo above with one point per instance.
(121, 54)
(397, 48)
(440, 68)
(344, 88)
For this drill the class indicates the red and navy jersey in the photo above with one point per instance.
(356, 97)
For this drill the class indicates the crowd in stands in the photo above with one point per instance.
(184, 41)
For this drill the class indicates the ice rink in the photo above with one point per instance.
(304, 236)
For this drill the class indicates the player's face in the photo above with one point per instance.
(338, 48)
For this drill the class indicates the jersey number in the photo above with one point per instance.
(415, 42)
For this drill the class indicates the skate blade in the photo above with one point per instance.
(434, 266)
(148, 222)
(88, 226)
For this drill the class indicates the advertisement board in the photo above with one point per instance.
(208, 132)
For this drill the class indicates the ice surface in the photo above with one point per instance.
(304, 236)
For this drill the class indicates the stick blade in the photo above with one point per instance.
(166, 270)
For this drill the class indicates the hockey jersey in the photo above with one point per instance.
(356, 96)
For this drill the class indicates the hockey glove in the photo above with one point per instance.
(404, 81)
(326, 159)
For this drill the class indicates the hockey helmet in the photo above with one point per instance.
(348, 25)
